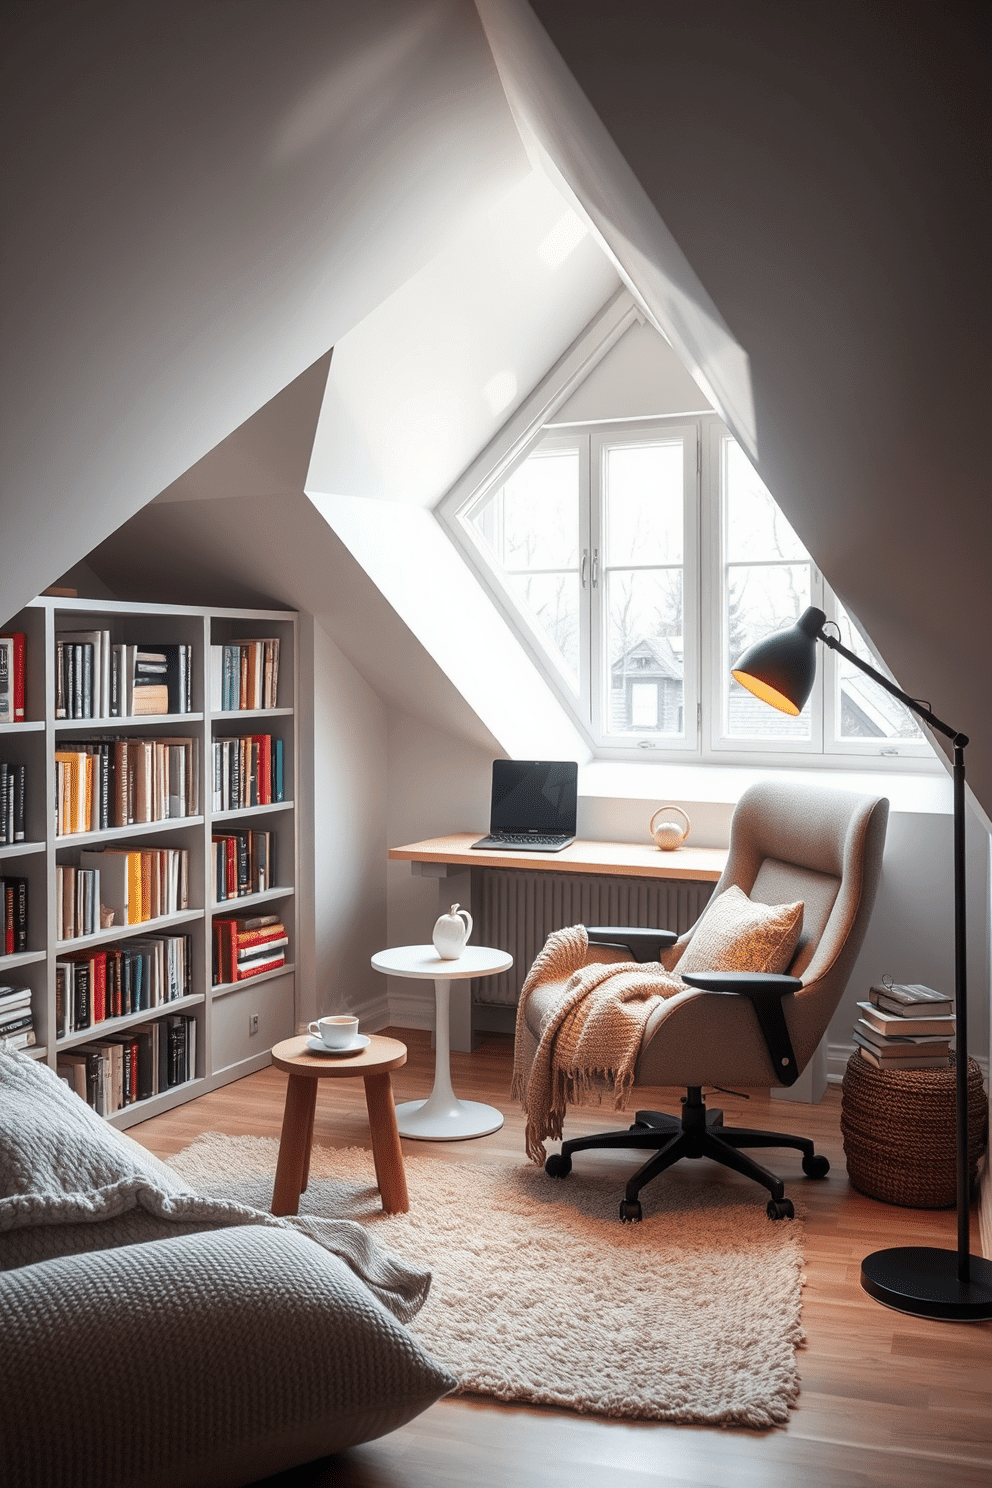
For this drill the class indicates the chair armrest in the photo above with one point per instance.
(643, 945)
(765, 991)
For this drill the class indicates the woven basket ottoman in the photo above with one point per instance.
(899, 1131)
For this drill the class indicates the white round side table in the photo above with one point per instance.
(442, 1117)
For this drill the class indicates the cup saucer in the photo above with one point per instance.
(359, 1042)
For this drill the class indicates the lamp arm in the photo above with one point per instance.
(912, 703)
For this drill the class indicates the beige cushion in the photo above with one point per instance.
(737, 935)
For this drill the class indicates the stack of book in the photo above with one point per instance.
(244, 674)
(114, 981)
(16, 1020)
(95, 679)
(13, 782)
(13, 915)
(905, 1026)
(247, 946)
(131, 1066)
(248, 772)
(243, 864)
(121, 782)
(12, 657)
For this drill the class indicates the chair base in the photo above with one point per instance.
(698, 1133)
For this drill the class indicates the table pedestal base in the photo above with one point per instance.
(449, 1120)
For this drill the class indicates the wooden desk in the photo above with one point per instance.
(616, 859)
(440, 857)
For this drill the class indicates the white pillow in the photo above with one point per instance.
(736, 934)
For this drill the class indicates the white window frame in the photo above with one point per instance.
(534, 424)
(604, 437)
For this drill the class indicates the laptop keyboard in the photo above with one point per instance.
(530, 839)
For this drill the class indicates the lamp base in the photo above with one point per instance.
(924, 1281)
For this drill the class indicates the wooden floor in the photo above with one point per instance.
(886, 1398)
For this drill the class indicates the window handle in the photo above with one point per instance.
(584, 567)
(595, 567)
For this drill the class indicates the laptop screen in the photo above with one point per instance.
(534, 796)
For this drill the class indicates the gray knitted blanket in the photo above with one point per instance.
(71, 1183)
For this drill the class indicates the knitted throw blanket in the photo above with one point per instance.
(591, 1035)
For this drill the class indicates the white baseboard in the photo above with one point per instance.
(410, 1009)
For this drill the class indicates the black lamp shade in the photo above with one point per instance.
(781, 669)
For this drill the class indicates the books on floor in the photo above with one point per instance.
(16, 1017)
(247, 946)
(244, 674)
(905, 1026)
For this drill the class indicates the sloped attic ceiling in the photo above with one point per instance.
(199, 201)
(826, 169)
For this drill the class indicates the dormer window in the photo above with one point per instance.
(636, 559)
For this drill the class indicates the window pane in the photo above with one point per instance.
(755, 526)
(867, 711)
(644, 629)
(552, 603)
(531, 528)
(532, 522)
(643, 492)
(761, 599)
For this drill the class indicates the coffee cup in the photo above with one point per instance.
(336, 1031)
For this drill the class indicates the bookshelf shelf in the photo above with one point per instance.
(245, 901)
(129, 1020)
(22, 849)
(116, 725)
(232, 715)
(223, 989)
(223, 1050)
(136, 829)
(20, 958)
(122, 932)
(240, 812)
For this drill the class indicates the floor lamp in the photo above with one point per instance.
(923, 1280)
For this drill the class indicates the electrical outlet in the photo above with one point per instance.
(252, 1023)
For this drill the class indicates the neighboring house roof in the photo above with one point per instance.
(663, 658)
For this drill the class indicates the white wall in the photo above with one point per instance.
(349, 839)
(199, 201)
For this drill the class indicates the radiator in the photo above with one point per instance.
(518, 909)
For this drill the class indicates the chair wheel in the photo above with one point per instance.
(558, 1165)
(816, 1166)
(630, 1211)
(780, 1209)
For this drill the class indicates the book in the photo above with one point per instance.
(18, 650)
(868, 1038)
(900, 1025)
(6, 680)
(892, 1062)
(911, 996)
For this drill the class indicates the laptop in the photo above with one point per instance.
(533, 805)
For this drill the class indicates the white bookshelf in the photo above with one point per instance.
(238, 1023)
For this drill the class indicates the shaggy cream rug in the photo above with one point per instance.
(540, 1294)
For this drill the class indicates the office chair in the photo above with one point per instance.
(729, 1028)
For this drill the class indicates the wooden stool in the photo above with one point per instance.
(304, 1070)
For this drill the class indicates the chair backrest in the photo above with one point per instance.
(823, 847)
